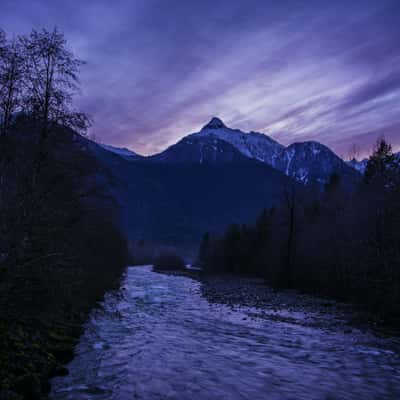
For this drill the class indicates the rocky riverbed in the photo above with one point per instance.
(240, 292)
(286, 305)
(163, 336)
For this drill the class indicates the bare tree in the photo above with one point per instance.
(11, 74)
(11, 65)
(3, 40)
(354, 152)
(38, 75)
(51, 81)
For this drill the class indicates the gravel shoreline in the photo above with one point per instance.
(285, 306)
(259, 300)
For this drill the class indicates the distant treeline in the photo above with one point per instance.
(60, 249)
(343, 244)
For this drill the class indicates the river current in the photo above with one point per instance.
(158, 338)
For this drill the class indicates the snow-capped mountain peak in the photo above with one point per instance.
(215, 123)
(253, 145)
(216, 143)
(305, 162)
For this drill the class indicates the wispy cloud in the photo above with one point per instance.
(158, 70)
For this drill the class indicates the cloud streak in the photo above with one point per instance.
(158, 70)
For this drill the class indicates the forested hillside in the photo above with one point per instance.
(345, 245)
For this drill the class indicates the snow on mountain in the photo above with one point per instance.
(253, 144)
(123, 152)
(312, 162)
(361, 165)
(200, 150)
(358, 165)
(305, 162)
(216, 143)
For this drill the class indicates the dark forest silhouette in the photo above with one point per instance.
(60, 249)
(344, 244)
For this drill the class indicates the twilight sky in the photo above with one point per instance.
(297, 70)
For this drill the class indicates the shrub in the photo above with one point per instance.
(168, 261)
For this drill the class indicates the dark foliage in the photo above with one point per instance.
(60, 248)
(142, 252)
(344, 245)
(167, 260)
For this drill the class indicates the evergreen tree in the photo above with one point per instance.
(381, 162)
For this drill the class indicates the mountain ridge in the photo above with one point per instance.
(174, 203)
(211, 178)
(306, 162)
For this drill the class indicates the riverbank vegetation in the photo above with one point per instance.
(343, 245)
(60, 248)
(168, 260)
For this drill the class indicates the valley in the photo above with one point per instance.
(210, 179)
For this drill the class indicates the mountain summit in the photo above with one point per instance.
(215, 143)
(210, 178)
(308, 162)
(215, 123)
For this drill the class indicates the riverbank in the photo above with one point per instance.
(32, 352)
(158, 337)
(42, 312)
(36, 346)
(61, 250)
(240, 292)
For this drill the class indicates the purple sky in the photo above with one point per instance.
(297, 70)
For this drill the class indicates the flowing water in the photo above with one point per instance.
(158, 338)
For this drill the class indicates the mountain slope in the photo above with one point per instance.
(200, 150)
(168, 203)
(165, 201)
(210, 179)
(308, 162)
(121, 151)
(253, 145)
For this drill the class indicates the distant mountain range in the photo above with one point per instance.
(211, 178)
(306, 162)
(176, 202)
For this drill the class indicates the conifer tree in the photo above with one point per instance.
(380, 163)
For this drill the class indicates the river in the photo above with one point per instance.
(158, 338)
